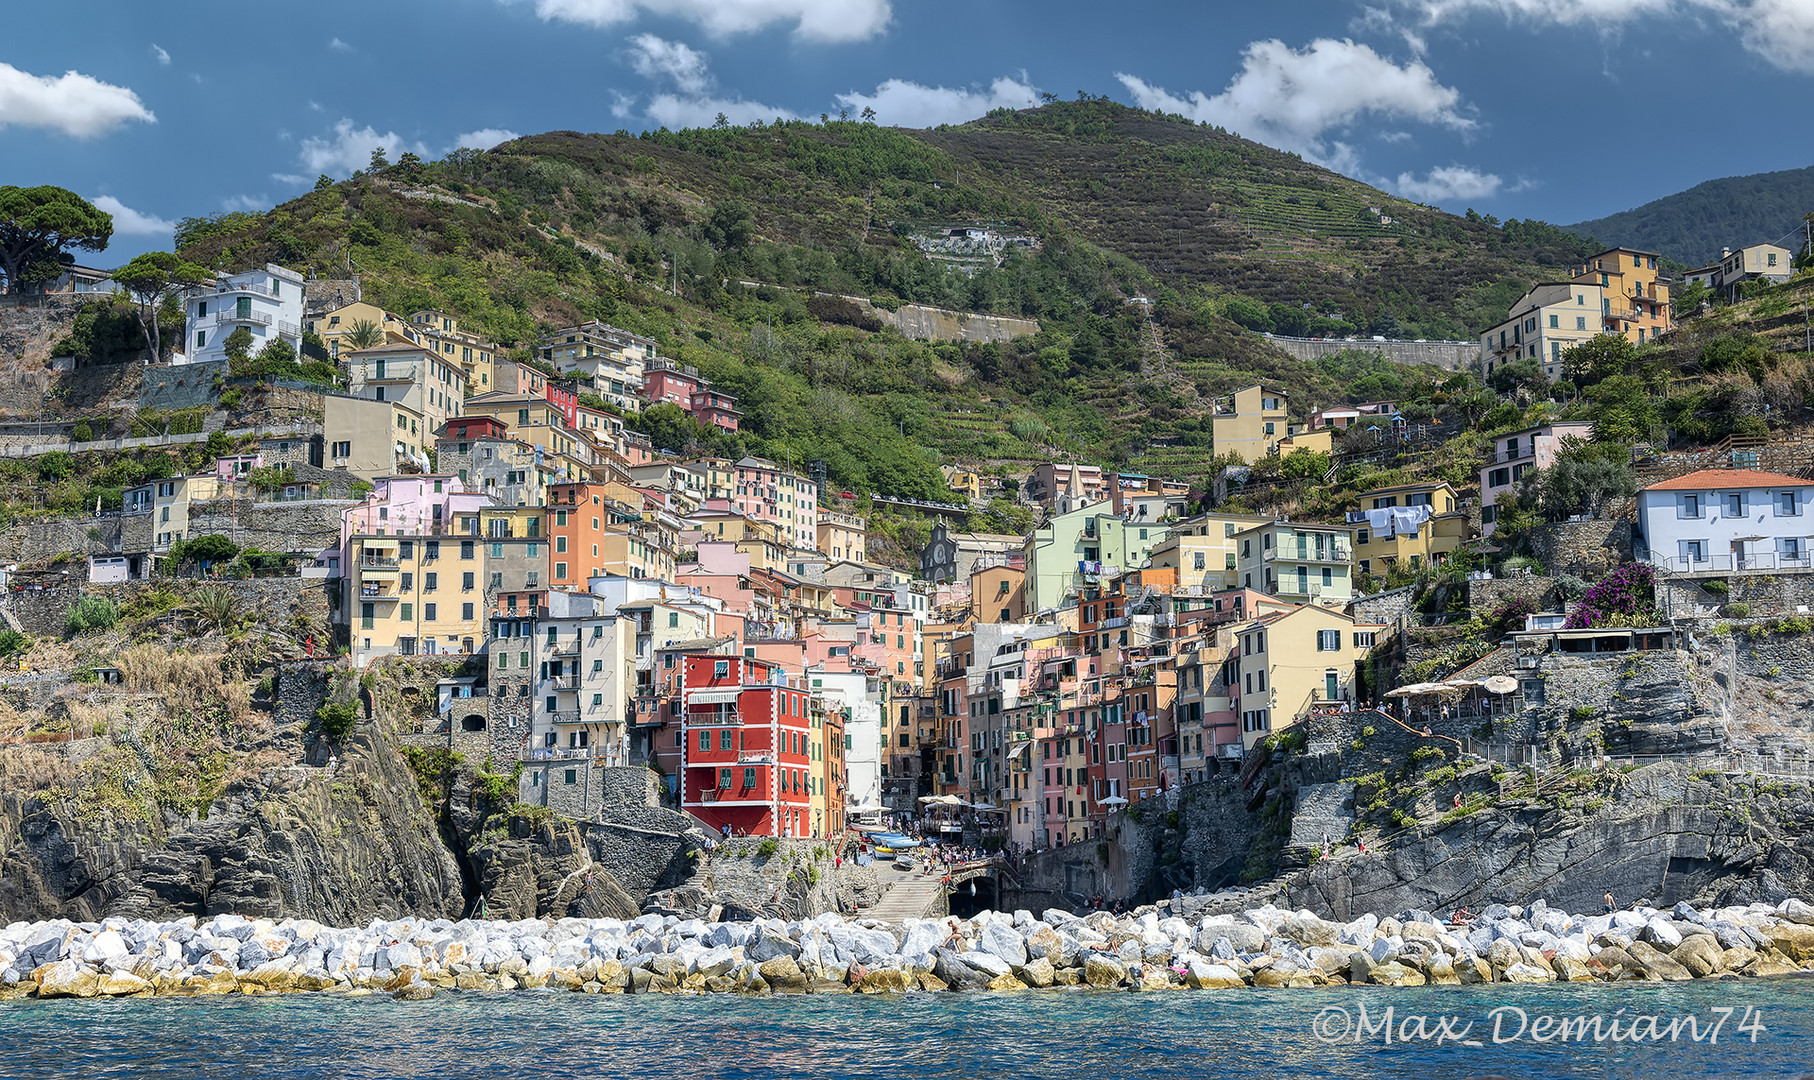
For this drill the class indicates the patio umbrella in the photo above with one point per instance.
(1114, 800)
(1500, 684)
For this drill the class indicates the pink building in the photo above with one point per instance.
(1515, 455)
(767, 492)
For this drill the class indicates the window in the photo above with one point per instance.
(1555, 321)
(1363, 536)
(429, 581)
(428, 612)
(1363, 639)
(560, 571)
(721, 669)
(1735, 504)
(1692, 551)
(749, 778)
(466, 581)
(466, 552)
(1690, 508)
(466, 611)
(1197, 560)
(1328, 641)
(407, 612)
(705, 740)
(1785, 505)
(1580, 322)
(724, 739)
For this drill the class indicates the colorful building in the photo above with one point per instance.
(746, 748)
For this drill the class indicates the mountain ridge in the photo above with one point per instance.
(1692, 226)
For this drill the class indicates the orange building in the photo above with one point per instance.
(584, 522)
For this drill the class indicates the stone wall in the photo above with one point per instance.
(272, 526)
(1488, 596)
(1587, 549)
(1784, 594)
(1382, 607)
(1452, 355)
(182, 387)
(1116, 865)
(938, 324)
(290, 606)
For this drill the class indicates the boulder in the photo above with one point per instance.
(1006, 982)
(1360, 966)
(1522, 972)
(119, 984)
(1661, 933)
(1036, 972)
(770, 944)
(1796, 911)
(1005, 943)
(1765, 966)
(1656, 965)
(931, 982)
(105, 947)
(1440, 970)
(1306, 929)
(1569, 969)
(66, 978)
(1200, 975)
(952, 970)
(1103, 972)
(1700, 954)
(886, 981)
(988, 963)
(783, 975)
(1793, 940)
(1393, 973)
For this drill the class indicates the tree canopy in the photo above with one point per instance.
(153, 278)
(38, 225)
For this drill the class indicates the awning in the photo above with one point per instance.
(712, 697)
(1018, 750)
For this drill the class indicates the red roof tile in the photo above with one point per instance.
(1709, 479)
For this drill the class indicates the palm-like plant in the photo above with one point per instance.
(216, 607)
(365, 334)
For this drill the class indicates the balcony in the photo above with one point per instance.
(377, 562)
(563, 682)
(228, 288)
(1334, 553)
(565, 716)
(232, 315)
(554, 753)
(391, 373)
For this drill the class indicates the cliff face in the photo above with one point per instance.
(341, 846)
(1668, 835)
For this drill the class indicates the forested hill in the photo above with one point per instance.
(1226, 236)
(1692, 226)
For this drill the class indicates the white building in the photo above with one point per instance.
(604, 359)
(582, 677)
(1719, 520)
(266, 302)
(862, 732)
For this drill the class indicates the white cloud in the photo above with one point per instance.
(483, 139)
(351, 148)
(622, 104)
(654, 58)
(900, 103)
(815, 20)
(1294, 99)
(291, 179)
(1449, 182)
(676, 111)
(256, 204)
(72, 103)
(129, 222)
(1780, 31)
(339, 46)
(162, 56)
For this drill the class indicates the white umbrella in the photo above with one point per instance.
(1500, 684)
(982, 806)
(1114, 800)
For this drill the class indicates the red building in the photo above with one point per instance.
(470, 428)
(714, 407)
(564, 395)
(745, 747)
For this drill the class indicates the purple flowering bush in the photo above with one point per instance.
(1625, 597)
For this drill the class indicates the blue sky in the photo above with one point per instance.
(1557, 109)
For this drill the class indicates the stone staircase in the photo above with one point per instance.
(906, 896)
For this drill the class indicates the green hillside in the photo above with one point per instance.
(1226, 236)
(1692, 226)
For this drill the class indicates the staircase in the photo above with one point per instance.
(907, 896)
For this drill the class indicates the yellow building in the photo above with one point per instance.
(414, 566)
(1383, 539)
(965, 482)
(1204, 551)
(1321, 441)
(474, 354)
(540, 423)
(1634, 301)
(414, 376)
(1250, 422)
(332, 327)
(371, 438)
(1289, 661)
(842, 536)
(1544, 324)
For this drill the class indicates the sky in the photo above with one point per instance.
(1563, 110)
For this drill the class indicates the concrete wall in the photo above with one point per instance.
(1764, 595)
(938, 324)
(1453, 355)
(288, 605)
(281, 526)
(182, 387)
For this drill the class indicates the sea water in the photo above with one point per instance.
(1642, 1031)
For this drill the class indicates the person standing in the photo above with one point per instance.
(1610, 906)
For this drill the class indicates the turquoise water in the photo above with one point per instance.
(1204, 1035)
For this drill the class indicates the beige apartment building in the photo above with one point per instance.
(1544, 324)
(1250, 422)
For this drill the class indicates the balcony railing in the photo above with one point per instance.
(565, 716)
(233, 315)
(391, 373)
(564, 682)
(1337, 553)
(227, 288)
(377, 562)
(1719, 564)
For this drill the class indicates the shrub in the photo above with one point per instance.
(81, 432)
(337, 719)
(1795, 625)
(91, 613)
(1625, 597)
(12, 641)
(1736, 611)
(1580, 714)
(1716, 586)
(767, 848)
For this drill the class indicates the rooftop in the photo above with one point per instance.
(1707, 479)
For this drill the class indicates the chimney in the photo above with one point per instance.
(1724, 252)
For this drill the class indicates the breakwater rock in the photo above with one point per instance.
(1151, 949)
